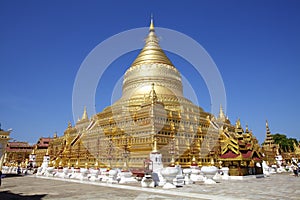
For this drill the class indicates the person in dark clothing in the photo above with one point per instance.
(0, 176)
(19, 170)
(295, 169)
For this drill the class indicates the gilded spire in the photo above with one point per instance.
(269, 139)
(152, 52)
(247, 129)
(238, 123)
(268, 132)
(69, 125)
(151, 28)
(221, 113)
(85, 115)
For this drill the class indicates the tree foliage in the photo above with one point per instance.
(285, 144)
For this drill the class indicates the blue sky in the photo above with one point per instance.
(255, 45)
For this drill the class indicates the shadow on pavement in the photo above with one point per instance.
(7, 195)
(11, 175)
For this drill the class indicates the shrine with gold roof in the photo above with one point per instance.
(154, 116)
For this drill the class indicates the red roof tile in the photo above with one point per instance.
(18, 144)
(247, 155)
(229, 154)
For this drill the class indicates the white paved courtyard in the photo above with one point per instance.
(277, 186)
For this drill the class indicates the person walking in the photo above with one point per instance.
(0, 176)
(295, 169)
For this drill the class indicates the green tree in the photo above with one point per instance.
(285, 144)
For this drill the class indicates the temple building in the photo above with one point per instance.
(4, 138)
(40, 149)
(240, 151)
(270, 149)
(297, 151)
(273, 151)
(153, 116)
(17, 153)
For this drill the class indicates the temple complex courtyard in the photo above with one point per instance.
(277, 186)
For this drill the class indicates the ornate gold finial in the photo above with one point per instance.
(85, 115)
(220, 164)
(55, 135)
(212, 162)
(238, 123)
(200, 129)
(200, 163)
(96, 164)
(47, 152)
(172, 164)
(151, 28)
(267, 128)
(267, 124)
(77, 163)
(60, 164)
(226, 129)
(221, 113)
(247, 130)
(207, 118)
(172, 126)
(154, 150)
(194, 162)
(69, 125)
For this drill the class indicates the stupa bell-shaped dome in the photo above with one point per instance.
(152, 66)
(152, 52)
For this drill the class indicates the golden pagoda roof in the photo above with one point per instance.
(269, 139)
(152, 52)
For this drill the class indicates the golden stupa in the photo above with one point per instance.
(151, 116)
